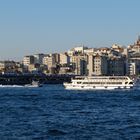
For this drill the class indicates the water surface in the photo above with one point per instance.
(53, 113)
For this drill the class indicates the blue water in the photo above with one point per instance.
(53, 113)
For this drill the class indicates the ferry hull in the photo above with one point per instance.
(71, 87)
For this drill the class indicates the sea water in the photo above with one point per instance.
(53, 113)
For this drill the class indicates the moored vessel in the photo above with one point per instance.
(100, 83)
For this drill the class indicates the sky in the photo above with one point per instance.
(48, 26)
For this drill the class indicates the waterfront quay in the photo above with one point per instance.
(21, 79)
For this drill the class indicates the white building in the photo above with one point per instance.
(27, 60)
(49, 61)
(90, 65)
(132, 69)
(64, 59)
(79, 64)
(78, 49)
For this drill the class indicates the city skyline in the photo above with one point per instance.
(30, 27)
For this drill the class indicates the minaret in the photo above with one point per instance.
(138, 41)
(139, 38)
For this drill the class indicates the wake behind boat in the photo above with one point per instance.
(33, 84)
(100, 83)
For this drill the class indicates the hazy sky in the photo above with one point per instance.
(45, 26)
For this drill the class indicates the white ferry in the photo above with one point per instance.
(100, 83)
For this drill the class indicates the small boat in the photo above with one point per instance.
(34, 84)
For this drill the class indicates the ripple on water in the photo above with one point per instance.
(53, 113)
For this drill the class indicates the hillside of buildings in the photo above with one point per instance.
(81, 60)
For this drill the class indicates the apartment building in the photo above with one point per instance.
(38, 58)
(116, 66)
(97, 65)
(7, 66)
(27, 60)
(79, 64)
(64, 59)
